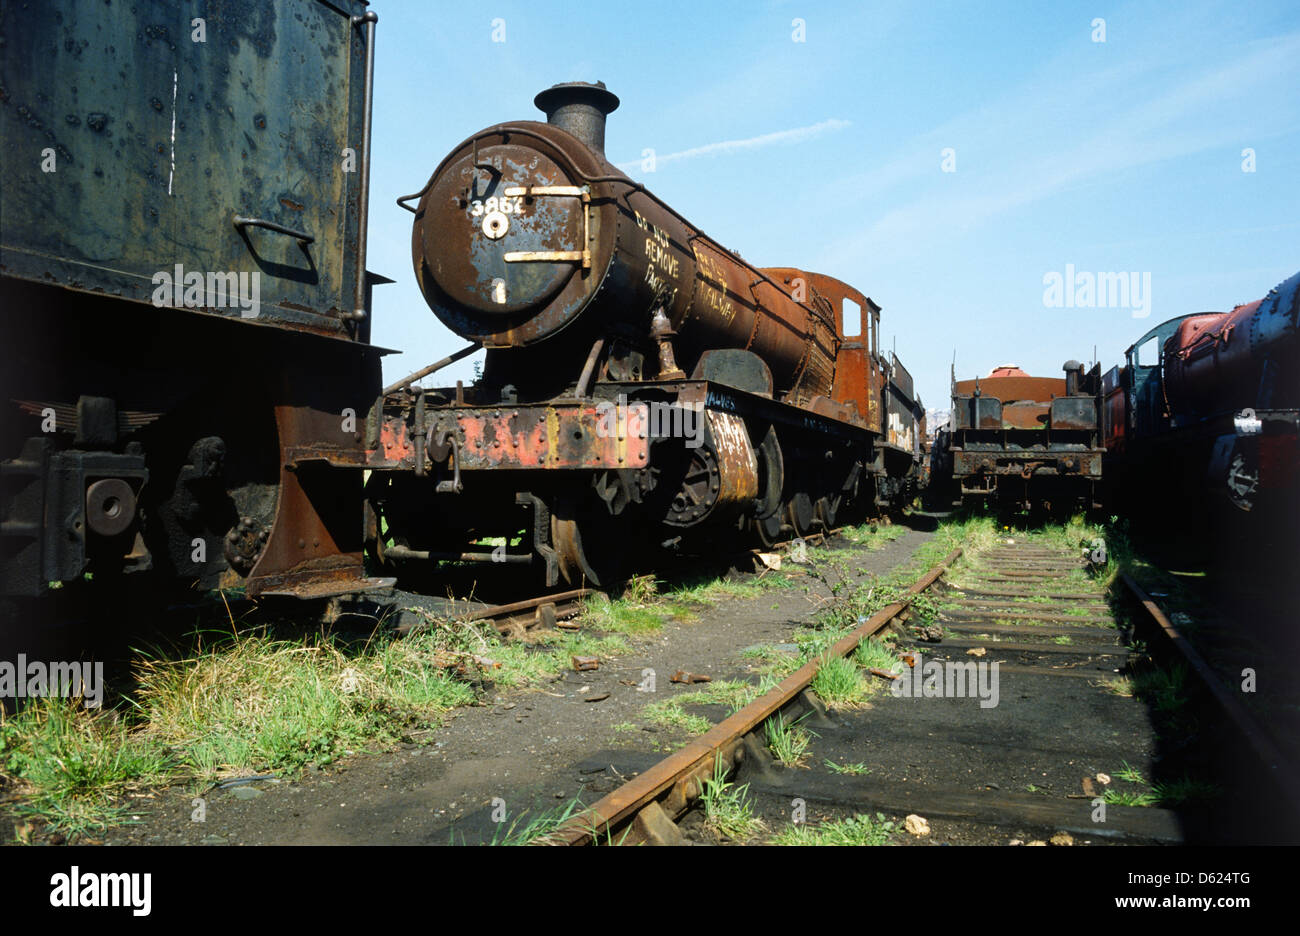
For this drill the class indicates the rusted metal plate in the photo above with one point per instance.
(1027, 463)
(146, 145)
(395, 443)
(737, 463)
(1014, 389)
(584, 437)
(1027, 415)
(1077, 412)
(315, 544)
(607, 435)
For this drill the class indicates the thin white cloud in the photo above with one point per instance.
(728, 147)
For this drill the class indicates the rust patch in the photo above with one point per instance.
(574, 436)
(1014, 389)
(737, 463)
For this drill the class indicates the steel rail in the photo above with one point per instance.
(1267, 751)
(680, 774)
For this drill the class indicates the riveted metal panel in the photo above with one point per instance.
(145, 145)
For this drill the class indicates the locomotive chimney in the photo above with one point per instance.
(579, 108)
(1073, 377)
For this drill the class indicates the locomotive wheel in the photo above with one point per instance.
(800, 513)
(768, 529)
(698, 490)
(767, 518)
(827, 509)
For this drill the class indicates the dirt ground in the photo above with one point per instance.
(529, 750)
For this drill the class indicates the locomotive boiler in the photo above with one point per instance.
(642, 383)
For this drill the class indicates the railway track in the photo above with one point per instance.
(1071, 743)
(559, 609)
(512, 619)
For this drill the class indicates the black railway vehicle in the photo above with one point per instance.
(643, 384)
(186, 367)
(1021, 440)
(1204, 415)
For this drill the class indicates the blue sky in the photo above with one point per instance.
(1115, 156)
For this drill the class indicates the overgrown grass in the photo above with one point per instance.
(252, 702)
(839, 683)
(878, 654)
(71, 762)
(671, 712)
(857, 830)
(727, 809)
(282, 705)
(1167, 793)
(788, 742)
(625, 615)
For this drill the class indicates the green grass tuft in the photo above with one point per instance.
(858, 830)
(853, 770)
(727, 809)
(70, 763)
(839, 683)
(787, 742)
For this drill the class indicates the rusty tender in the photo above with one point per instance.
(153, 424)
(1022, 439)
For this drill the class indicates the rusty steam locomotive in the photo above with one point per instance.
(643, 386)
